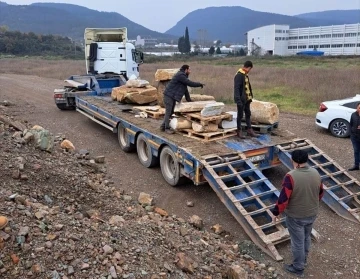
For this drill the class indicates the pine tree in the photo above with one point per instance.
(211, 50)
(218, 51)
(181, 44)
(187, 45)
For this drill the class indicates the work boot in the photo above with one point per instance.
(354, 168)
(291, 269)
(251, 133)
(3, 222)
(162, 128)
(239, 134)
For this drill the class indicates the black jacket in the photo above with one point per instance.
(354, 123)
(177, 87)
(239, 89)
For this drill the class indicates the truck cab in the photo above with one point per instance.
(107, 51)
(110, 61)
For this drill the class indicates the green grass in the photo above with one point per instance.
(288, 100)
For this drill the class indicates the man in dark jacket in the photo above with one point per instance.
(355, 136)
(174, 92)
(299, 198)
(243, 97)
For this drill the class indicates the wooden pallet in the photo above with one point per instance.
(262, 128)
(209, 136)
(152, 112)
(216, 119)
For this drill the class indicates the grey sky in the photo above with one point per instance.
(161, 15)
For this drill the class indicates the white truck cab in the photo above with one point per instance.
(108, 52)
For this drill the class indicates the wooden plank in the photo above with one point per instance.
(211, 136)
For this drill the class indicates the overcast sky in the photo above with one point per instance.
(161, 15)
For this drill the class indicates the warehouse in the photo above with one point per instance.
(281, 40)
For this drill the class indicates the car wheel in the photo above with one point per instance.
(340, 128)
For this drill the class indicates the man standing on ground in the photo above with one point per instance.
(299, 198)
(355, 136)
(243, 97)
(174, 92)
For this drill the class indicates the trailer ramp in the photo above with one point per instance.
(341, 190)
(249, 196)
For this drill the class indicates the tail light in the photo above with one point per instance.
(58, 96)
(322, 108)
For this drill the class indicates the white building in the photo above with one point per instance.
(281, 40)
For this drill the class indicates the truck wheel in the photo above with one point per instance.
(65, 107)
(144, 152)
(123, 138)
(170, 168)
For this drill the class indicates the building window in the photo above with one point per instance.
(358, 45)
(325, 36)
(303, 37)
(292, 47)
(293, 38)
(314, 36)
(336, 46)
(324, 46)
(349, 45)
(350, 34)
(338, 35)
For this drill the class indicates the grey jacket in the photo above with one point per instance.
(177, 87)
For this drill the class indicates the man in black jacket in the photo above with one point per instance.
(355, 136)
(174, 92)
(243, 97)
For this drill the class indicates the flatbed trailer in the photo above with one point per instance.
(232, 167)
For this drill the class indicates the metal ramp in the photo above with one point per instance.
(249, 196)
(341, 190)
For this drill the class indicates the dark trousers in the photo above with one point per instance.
(241, 108)
(300, 235)
(356, 146)
(169, 110)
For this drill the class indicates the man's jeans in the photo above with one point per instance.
(356, 145)
(300, 234)
(169, 110)
(241, 108)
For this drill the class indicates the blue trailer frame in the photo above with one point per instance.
(233, 170)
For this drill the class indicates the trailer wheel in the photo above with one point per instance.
(65, 107)
(144, 152)
(123, 138)
(170, 168)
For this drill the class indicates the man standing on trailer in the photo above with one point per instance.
(299, 198)
(174, 92)
(243, 97)
(355, 137)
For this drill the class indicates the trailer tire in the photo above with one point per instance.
(170, 168)
(144, 152)
(65, 107)
(123, 138)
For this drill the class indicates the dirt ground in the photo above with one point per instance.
(335, 256)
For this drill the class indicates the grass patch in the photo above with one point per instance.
(287, 100)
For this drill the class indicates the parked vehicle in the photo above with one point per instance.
(335, 115)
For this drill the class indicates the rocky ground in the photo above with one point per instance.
(68, 219)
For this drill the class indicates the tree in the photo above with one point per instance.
(218, 51)
(181, 44)
(187, 45)
(211, 50)
(242, 52)
(218, 43)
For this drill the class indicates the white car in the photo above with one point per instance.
(335, 115)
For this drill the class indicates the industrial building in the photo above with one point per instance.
(281, 40)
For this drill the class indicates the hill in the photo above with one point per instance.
(67, 20)
(332, 17)
(231, 23)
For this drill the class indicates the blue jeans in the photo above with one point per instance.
(356, 146)
(300, 234)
